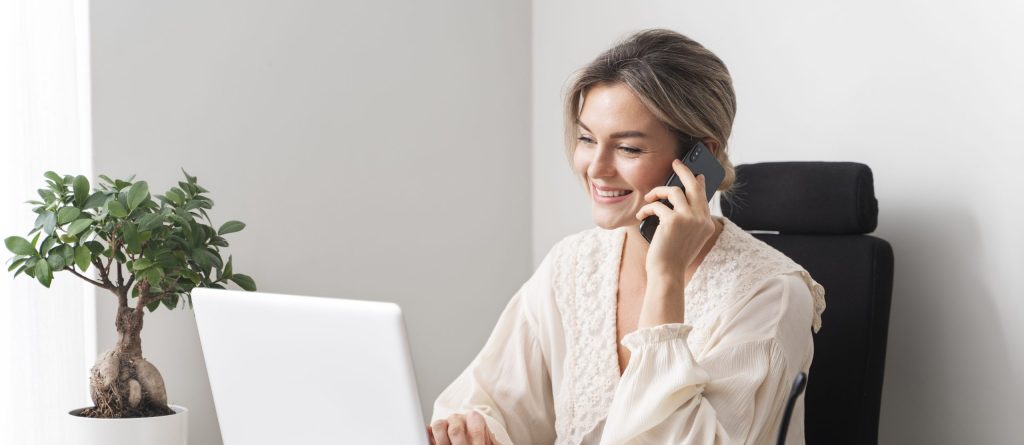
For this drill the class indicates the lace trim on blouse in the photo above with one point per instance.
(585, 286)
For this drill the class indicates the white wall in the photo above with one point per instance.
(377, 150)
(926, 93)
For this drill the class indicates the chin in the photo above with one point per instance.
(614, 223)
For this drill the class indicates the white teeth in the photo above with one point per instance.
(612, 194)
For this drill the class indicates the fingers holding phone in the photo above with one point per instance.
(697, 161)
(697, 197)
(679, 211)
(682, 229)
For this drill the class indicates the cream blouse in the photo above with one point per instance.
(549, 373)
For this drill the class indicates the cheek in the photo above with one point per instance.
(650, 182)
(580, 162)
(644, 180)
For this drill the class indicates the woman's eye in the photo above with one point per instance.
(585, 139)
(631, 150)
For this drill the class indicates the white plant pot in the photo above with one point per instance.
(161, 430)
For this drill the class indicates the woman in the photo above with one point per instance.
(692, 338)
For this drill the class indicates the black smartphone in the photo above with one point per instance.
(699, 160)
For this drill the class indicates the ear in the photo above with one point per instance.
(711, 144)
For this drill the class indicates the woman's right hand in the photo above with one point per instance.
(461, 429)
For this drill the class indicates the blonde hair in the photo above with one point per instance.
(684, 85)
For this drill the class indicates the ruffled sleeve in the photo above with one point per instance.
(509, 381)
(734, 392)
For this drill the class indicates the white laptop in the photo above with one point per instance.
(308, 370)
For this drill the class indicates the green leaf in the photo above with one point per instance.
(152, 305)
(83, 257)
(47, 243)
(189, 189)
(69, 239)
(54, 177)
(218, 241)
(138, 193)
(193, 204)
(185, 217)
(86, 234)
(117, 209)
(191, 179)
(67, 214)
(78, 226)
(40, 219)
(19, 246)
(201, 232)
(153, 275)
(227, 270)
(94, 246)
(142, 264)
(204, 258)
(47, 195)
(43, 273)
(150, 221)
(67, 251)
(244, 281)
(49, 222)
(175, 196)
(170, 302)
(29, 267)
(205, 216)
(81, 186)
(191, 276)
(143, 237)
(95, 201)
(167, 261)
(56, 260)
(131, 238)
(16, 263)
(231, 227)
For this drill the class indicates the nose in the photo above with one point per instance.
(602, 165)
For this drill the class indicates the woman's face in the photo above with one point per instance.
(622, 149)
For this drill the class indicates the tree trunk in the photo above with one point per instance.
(122, 383)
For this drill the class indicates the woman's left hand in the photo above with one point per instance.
(682, 230)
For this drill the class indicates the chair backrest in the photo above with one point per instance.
(822, 212)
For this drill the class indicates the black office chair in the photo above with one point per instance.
(822, 212)
(799, 383)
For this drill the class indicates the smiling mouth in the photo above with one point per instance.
(609, 195)
(614, 194)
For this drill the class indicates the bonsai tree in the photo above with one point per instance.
(148, 253)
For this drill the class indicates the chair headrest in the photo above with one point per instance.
(814, 198)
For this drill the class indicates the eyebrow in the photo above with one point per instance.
(619, 135)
